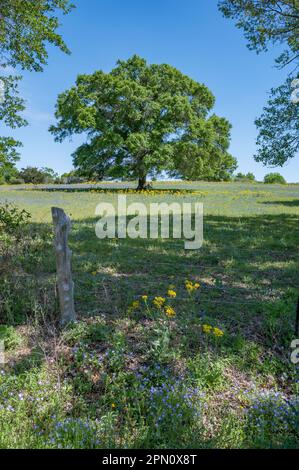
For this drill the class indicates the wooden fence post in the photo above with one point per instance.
(62, 226)
(297, 321)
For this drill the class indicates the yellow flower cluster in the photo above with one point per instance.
(215, 331)
(171, 293)
(190, 286)
(218, 332)
(159, 302)
(207, 328)
(135, 306)
(170, 312)
(145, 192)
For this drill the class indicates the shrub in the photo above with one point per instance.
(16, 181)
(32, 174)
(273, 178)
(11, 218)
(243, 177)
(10, 337)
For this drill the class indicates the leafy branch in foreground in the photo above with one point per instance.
(272, 22)
(267, 22)
(26, 27)
(278, 128)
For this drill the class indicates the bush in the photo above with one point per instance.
(9, 335)
(16, 181)
(11, 218)
(273, 178)
(34, 175)
(247, 177)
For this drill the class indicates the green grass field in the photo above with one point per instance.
(129, 375)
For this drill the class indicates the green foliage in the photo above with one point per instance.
(274, 178)
(242, 177)
(76, 176)
(142, 119)
(86, 333)
(272, 22)
(28, 405)
(279, 319)
(10, 107)
(12, 218)
(35, 175)
(9, 335)
(8, 157)
(266, 22)
(269, 411)
(207, 372)
(11, 104)
(278, 127)
(26, 27)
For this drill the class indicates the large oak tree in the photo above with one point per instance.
(139, 120)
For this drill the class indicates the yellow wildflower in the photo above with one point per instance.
(207, 328)
(189, 286)
(135, 304)
(170, 312)
(159, 302)
(145, 297)
(217, 332)
(113, 406)
(171, 293)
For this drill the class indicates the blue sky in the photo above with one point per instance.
(191, 35)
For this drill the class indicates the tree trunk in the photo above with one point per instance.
(141, 183)
(62, 225)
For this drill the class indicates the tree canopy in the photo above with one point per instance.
(26, 27)
(278, 138)
(274, 178)
(32, 174)
(268, 22)
(139, 120)
(10, 107)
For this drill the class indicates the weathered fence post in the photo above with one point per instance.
(297, 320)
(62, 226)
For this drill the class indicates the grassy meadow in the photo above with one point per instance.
(172, 348)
